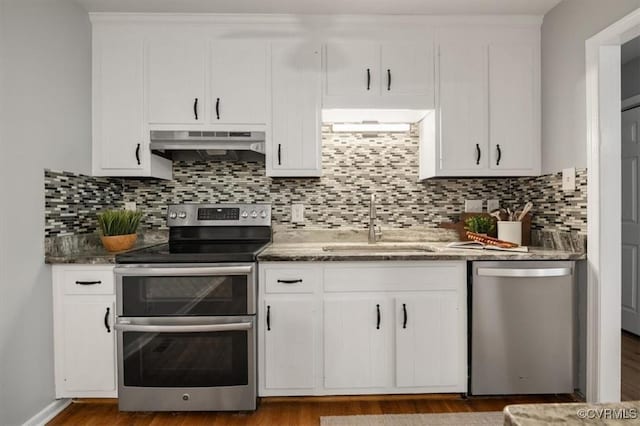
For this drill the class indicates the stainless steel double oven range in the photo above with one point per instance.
(186, 312)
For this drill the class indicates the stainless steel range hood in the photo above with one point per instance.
(192, 145)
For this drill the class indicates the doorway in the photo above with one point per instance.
(630, 229)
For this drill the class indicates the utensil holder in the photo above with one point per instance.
(510, 231)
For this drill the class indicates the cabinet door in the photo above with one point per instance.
(353, 69)
(462, 100)
(428, 333)
(289, 341)
(295, 148)
(176, 81)
(118, 142)
(514, 125)
(89, 346)
(407, 69)
(358, 341)
(238, 82)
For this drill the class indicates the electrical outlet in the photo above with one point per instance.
(569, 179)
(130, 205)
(473, 206)
(297, 213)
(493, 205)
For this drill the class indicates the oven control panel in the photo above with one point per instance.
(219, 215)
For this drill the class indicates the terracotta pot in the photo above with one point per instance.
(119, 242)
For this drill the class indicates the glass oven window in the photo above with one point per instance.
(185, 359)
(184, 296)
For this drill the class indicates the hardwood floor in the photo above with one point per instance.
(293, 411)
(630, 373)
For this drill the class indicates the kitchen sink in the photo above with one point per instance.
(379, 247)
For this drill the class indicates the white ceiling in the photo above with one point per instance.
(395, 7)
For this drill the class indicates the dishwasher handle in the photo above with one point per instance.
(524, 272)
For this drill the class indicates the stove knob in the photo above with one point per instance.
(254, 214)
(245, 214)
(263, 214)
(173, 215)
(182, 215)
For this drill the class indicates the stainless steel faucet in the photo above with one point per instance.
(375, 233)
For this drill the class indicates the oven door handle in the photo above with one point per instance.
(199, 328)
(187, 271)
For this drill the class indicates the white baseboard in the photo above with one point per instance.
(48, 412)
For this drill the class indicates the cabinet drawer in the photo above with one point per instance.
(291, 278)
(394, 276)
(88, 281)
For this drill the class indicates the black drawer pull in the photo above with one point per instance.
(368, 79)
(388, 79)
(195, 108)
(269, 317)
(88, 282)
(299, 280)
(218, 108)
(279, 154)
(138, 154)
(404, 310)
(106, 321)
(478, 153)
(378, 315)
(499, 155)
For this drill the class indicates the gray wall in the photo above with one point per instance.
(45, 108)
(564, 31)
(631, 78)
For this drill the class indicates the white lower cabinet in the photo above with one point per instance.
(289, 352)
(358, 332)
(340, 328)
(84, 338)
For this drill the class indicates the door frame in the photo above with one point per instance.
(603, 107)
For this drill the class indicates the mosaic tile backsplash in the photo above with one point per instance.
(354, 166)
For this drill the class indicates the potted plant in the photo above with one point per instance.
(480, 224)
(118, 228)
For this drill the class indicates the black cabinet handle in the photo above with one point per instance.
(368, 79)
(138, 154)
(290, 281)
(404, 311)
(195, 108)
(279, 154)
(269, 317)
(106, 321)
(478, 153)
(388, 79)
(88, 282)
(378, 312)
(499, 154)
(218, 108)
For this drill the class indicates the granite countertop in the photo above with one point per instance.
(416, 243)
(315, 251)
(621, 413)
(88, 249)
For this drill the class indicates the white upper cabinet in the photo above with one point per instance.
(238, 79)
(487, 116)
(294, 147)
(120, 142)
(514, 108)
(353, 69)
(407, 69)
(462, 105)
(378, 75)
(176, 81)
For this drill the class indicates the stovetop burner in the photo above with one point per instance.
(209, 233)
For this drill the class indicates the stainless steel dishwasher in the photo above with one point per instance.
(522, 327)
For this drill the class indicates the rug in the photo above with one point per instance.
(493, 418)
